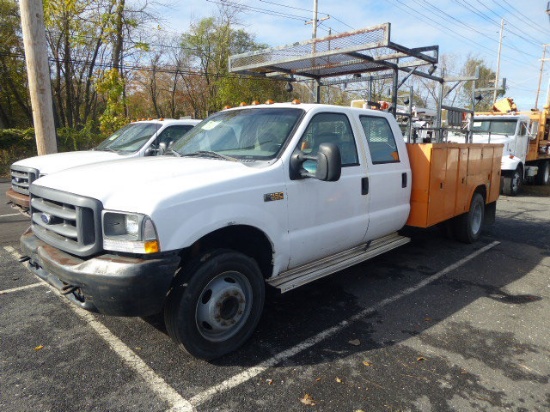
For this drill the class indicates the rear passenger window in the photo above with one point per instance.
(380, 139)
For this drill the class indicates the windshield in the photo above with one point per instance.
(246, 134)
(505, 127)
(130, 138)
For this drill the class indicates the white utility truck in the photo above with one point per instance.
(276, 194)
(526, 155)
(143, 138)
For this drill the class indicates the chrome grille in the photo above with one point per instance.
(66, 221)
(22, 177)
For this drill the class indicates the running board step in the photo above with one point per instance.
(315, 270)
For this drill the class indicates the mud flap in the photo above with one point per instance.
(490, 213)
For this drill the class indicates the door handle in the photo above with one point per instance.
(404, 180)
(365, 186)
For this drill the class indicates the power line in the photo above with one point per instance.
(400, 4)
(310, 11)
(169, 69)
(448, 29)
(515, 12)
(513, 25)
(259, 10)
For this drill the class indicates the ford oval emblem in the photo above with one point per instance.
(46, 218)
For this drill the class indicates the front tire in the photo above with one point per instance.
(511, 185)
(216, 304)
(468, 226)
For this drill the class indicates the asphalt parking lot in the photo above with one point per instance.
(432, 326)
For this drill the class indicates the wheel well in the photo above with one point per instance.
(510, 173)
(245, 239)
(482, 190)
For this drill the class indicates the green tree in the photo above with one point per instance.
(112, 85)
(486, 80)
(15, 108)
(207, 46)
(85, 38)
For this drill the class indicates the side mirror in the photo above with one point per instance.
(161, 149)
(328, 164)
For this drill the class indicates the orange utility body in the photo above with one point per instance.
(445, 177)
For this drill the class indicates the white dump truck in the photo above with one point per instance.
(273, 194)
(142, 138)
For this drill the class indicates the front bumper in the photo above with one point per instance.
(18, 199)
(110, 284)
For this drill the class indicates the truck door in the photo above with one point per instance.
(389, 176)
(522, 140)
(327, 217)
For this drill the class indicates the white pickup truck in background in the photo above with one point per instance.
(274, 194)
(137, 139)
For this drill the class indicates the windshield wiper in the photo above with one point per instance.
(108, 149)
(173, 152)
(208, 153)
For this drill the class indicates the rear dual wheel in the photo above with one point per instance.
(467, 227)
(216, 304)
(543, 174)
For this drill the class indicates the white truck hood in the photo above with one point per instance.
(481, 138)
(148, 184)
(52, 163)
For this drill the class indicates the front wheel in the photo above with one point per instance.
(216, 305)
(511, 185)
(468, 225)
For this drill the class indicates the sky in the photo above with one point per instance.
(459, 27)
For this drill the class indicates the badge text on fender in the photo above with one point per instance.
(270, 197)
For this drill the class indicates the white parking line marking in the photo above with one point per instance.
(180, 404)
(13, 290)
(156, 383)
(262, 367)
(11, 214)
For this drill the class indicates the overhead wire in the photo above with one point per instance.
(400, 4)
(448, 29)
(308, 10)
(519, 15)
(259, 10)
(172, 69)
(514, 26)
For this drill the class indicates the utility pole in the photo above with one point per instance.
(498, 61)
(314, 22)
(541, 73)
(38, 73)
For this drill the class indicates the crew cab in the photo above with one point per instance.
(137, 139)
(274, 194)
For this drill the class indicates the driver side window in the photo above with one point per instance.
(330, 128)
(522, 129)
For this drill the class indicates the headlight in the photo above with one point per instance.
(129, 232)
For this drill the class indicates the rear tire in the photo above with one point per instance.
(216, 304)
(543, 175)
(468, 226)
(511, 185)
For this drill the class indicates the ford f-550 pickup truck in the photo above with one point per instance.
(276, 194)
(143, 138)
